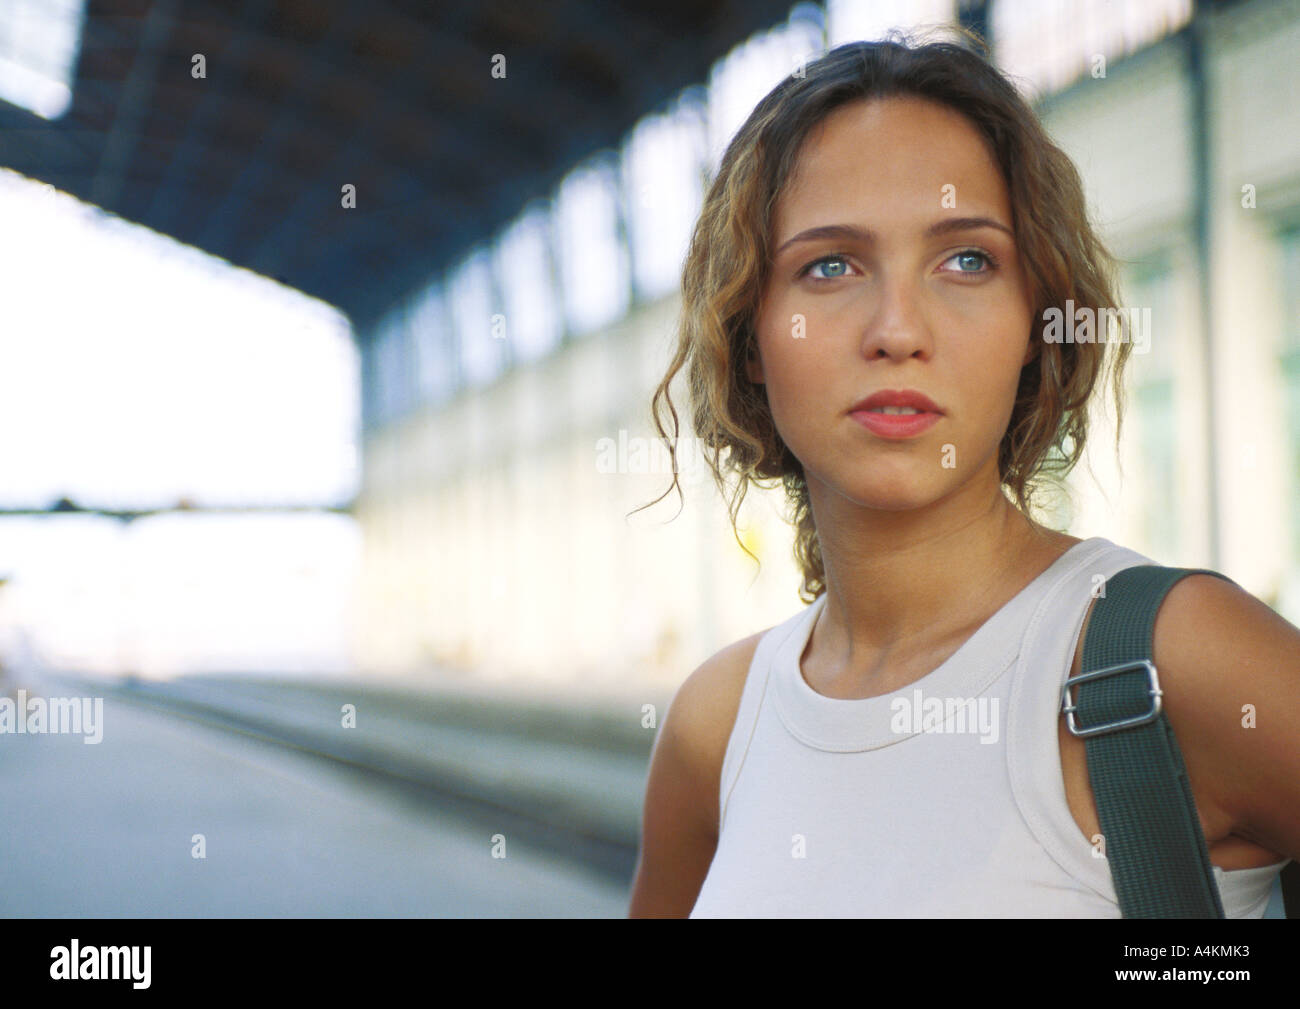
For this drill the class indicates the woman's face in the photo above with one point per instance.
(909, 291)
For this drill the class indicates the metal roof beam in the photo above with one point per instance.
(191, 146)
(218, 225)
(122, 135)
(328, 255)
(290, 232)
(38, 151)
(316, 198)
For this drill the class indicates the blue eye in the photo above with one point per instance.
(969, 254)
(831, 263)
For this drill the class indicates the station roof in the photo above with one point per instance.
(395, 97)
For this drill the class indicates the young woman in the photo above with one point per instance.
(863, 319)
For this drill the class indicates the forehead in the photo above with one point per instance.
(889, 157)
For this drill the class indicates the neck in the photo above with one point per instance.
(902, 582)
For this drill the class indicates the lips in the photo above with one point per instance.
(897, 398)
(901, 423)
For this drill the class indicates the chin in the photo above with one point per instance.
(896, 496)
(896, 504)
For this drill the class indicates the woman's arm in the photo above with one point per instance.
(679, 831)
(1229, 668)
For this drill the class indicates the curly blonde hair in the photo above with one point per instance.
(729, 259)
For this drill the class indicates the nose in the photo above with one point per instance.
(895, 324)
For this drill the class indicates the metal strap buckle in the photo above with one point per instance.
(1093, 730)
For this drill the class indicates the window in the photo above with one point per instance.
(1150, 287)
(430, 335)
(739, 80)
(393, 360)
(663, 183)
(593, 258)
(479, 339)
(852, 21)
(1051, 43)
(1289, 361)
(533, 323)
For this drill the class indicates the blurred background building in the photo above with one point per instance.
(328, 329)
(483, 500)
(475, 410)
(468, 425)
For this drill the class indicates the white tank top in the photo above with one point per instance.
(856, 808)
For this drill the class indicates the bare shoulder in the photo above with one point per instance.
(679, 823)
(703, 711)
(1230, 671)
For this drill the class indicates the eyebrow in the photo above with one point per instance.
(849, 232)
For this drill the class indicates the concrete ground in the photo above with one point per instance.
(105, 830)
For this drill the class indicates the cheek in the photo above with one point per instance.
(1001, 382)
(998, 351)
(785, 373)
(985, 375)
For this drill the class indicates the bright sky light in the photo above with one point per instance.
(525, 273)
(593, 260)
(178, 593)
(429, 332)
(739, 81)
(856, 21)
(135, 371)
(1045, 44)
(663, 164)
(39, 42)
(473, 303)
